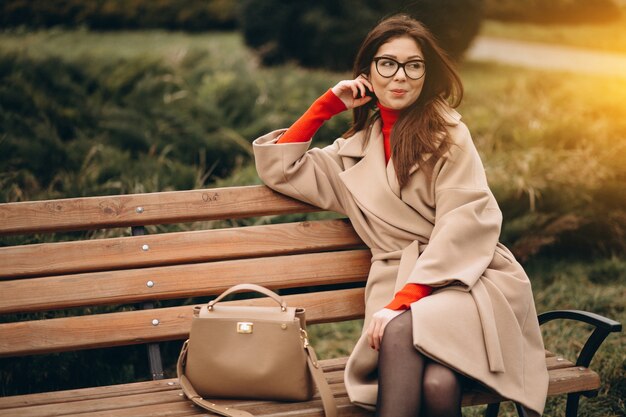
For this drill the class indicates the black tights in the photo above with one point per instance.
(410, 384)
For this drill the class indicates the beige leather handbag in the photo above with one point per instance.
(250, 352)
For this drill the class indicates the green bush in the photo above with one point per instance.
(553, 11)
(74, 130)
(190, 15)
(327, 34)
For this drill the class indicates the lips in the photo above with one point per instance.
(398, 92)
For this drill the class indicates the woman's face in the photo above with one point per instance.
(399, 91)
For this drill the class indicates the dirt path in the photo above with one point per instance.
(547, 56)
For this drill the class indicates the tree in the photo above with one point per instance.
(327, 33)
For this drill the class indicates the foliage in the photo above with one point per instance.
(553, 146)
(72, 128)
(192, 15)
(554, 11)
(327, 34)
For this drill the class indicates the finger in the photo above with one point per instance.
(365, 80)
(355, 90)
(361, 101)
(361, 89)
(370, 335)
(376, 337)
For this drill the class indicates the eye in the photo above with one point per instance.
(387, 63)
(415, 65)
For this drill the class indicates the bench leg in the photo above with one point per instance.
(571, 409)
(492, 410)
(521, 412)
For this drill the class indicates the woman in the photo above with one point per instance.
(445, 303)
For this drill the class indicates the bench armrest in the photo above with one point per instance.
(603, 326)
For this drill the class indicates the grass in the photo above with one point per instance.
(80, 44)
(606, 37)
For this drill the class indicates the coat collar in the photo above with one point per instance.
(354, 146)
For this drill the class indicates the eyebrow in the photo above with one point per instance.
(411, 58)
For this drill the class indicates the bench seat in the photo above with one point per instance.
(164, 397)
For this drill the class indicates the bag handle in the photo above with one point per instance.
(328, 401)
(249, 287)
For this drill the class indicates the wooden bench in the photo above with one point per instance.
(321, 264)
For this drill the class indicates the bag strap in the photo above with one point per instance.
(328, 401)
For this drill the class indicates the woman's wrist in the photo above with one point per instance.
(408, 295)
(321, 110)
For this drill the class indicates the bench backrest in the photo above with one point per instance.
(306, 257)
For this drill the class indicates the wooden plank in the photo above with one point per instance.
(81, 394)
(176, 248)
(574, 379)
(557, 362)
(88, 213)
(170, 282)
(96, 404)
(134, 327)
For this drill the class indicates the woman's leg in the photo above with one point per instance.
(442, 391)
(400, 370)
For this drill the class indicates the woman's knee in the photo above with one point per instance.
(399, 330)
(439, 380)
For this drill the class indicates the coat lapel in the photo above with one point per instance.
(372, 182)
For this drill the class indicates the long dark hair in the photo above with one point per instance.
(419, 135)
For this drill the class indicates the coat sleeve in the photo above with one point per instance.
(467, 219)
(309, 175)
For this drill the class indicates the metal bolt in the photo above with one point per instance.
(150, 284)
(145, 248)
(139, 210)
(155, 322)
(170, 383)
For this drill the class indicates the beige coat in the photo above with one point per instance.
(481, 318)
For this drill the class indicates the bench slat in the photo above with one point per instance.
(133, 327)
(175, 248)
(573, 379)
(88, 213)
(169, 282)
(125, 401)
(81, 394)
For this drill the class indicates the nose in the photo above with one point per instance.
(399, 76)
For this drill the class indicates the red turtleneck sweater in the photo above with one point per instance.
(305, 127)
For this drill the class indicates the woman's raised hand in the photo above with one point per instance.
(353, 93)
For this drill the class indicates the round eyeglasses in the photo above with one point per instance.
(388, 67)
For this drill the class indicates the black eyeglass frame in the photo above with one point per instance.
(400, 65)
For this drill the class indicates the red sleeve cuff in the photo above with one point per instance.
(408, 295)
(321, 110)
